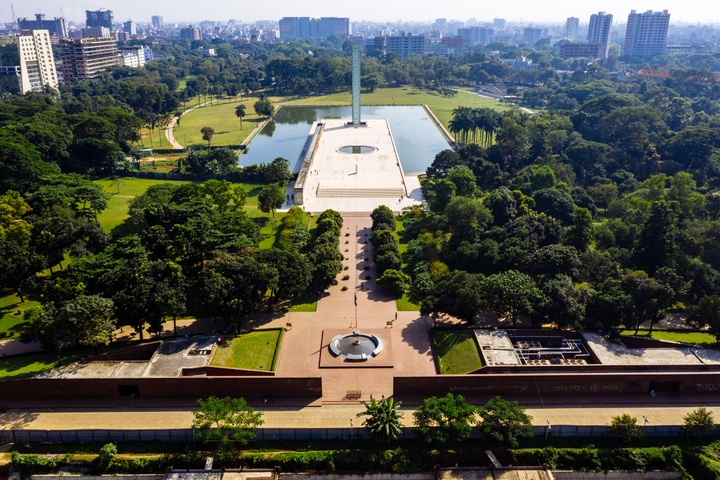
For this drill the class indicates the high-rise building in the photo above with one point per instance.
(499, 23)
(191, 33)
(157, 22)
(100, 18)
(532, 35)
(294, 27)
(475, 35)
(37, 64)
(646, 33)
(129, 27)
(328, 26)
(405, 44)
(86, 57)
(56, 26)
(571, 27)
(599, 30)
(303, 27)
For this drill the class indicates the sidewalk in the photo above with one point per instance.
(327, 416)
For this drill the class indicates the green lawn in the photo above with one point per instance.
(441, 106)
(23, 366)
(701, 339)
(403, 304)
(306, 304)
(221, 117)
(156, 140)
(121, 191)
(456, 351)
(11, 314)
(254, 351)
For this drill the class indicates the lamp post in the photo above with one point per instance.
(547, 429)
(351, 429)
(645, 418)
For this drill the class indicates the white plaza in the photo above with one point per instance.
(354, 169)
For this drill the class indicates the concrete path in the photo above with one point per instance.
(170, 135)
(328, 416)
(16, 347)
(363, 305)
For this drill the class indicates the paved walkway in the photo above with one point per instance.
(328, 416)
(362, 305)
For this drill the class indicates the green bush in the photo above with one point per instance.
(549, 455)
(32, 464)
(105, 457)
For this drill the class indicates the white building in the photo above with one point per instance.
(37, 65)
(132, 57)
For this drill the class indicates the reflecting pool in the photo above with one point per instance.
(416, 136)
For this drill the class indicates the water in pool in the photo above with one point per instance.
(416, 136)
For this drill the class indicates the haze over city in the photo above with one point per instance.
(370, 10)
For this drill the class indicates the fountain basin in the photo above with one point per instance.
(356, 346)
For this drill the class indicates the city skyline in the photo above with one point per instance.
(370, 10)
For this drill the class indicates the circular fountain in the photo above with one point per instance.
(356, 346)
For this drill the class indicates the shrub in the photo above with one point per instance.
(32, 464)
(549, 455)
(105, 457)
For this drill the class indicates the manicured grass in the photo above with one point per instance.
(23, 366)
(306, 304)
(403, 304)
(701, 339)
(156, 140)
(441, 106)
(254, 351)
(456, 351)
(121, 192)
(221, 117)
(268, 225)
(11, 314)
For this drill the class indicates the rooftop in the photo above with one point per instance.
(168, 360)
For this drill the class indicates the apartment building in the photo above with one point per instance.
(599, 30)
(37, 64)
(646, 33)
(86, 57)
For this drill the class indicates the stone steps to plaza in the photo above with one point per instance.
(326, 192)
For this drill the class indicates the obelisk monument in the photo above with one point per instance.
(356, 87)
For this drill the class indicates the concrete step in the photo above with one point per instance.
(325, 192)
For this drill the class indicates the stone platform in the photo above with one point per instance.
(345, 181)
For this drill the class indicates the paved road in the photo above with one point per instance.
(327, 416)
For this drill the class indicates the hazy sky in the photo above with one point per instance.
(556, 11)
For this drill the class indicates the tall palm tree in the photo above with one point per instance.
(240, 113)
(384, 418)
